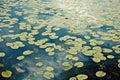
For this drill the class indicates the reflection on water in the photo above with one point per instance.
(59, 40)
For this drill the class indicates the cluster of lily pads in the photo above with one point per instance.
(79, 18)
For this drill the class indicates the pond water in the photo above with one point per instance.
(59, 40)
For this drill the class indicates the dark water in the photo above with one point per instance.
(28, 64)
